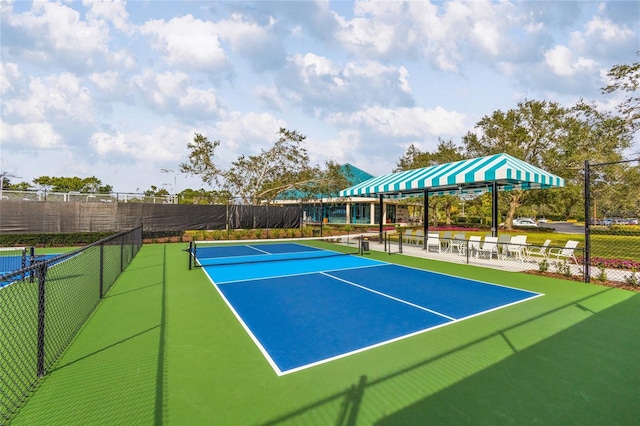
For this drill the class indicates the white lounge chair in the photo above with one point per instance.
(503, 240)
(566, 252)
(540, 250)
(408, 236)
(418, 237)
(458, 243)
(489, 247)
(433, 240)
(517, 247)
(473, 245)
(445, 240)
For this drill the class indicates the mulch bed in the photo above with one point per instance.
(607, 283)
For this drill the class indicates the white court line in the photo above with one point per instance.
(346, 268)
(390, 297)
(256, 249)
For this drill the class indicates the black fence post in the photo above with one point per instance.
(121, 254)
(32, 260)
(587, 219)
(41, 271)
(101, 284)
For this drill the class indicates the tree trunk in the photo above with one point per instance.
(515, 199)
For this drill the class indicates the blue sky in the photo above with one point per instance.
(116, 90)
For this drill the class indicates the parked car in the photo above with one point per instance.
(542, 220)
(524, 221)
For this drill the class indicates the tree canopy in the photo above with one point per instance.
(626, 78)
(90, 185)
(265, 176)
(554, 138)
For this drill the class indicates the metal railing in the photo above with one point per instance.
(43, 305)
(77, 197)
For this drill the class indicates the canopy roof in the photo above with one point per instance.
(472, 176)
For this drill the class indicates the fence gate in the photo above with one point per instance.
(612, 232)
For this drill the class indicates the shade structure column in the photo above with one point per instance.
(494, 208)
(380, 216)
(425, 222)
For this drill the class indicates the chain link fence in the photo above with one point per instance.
(43, 305)
(612, 232)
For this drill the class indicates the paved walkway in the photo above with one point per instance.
(531, 263)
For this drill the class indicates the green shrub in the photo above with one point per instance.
(544, 265)
(563, 268)
(50, 240)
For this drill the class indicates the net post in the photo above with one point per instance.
(190, 254)
(32, 259)
(400, 242)
(385, 240)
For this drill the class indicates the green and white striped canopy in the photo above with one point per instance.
(473, 176)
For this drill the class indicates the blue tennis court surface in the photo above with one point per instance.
(9, 264)
(304, 312)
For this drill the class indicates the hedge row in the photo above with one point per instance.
(51, 240)
(625, 230)
(70, 240)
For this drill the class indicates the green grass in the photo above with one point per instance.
(163, 348)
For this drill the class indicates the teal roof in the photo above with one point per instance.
(353, 175)
(472, 176)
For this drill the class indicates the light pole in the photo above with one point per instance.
(175, 187)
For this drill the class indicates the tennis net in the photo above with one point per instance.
(14, 258)
(219, 253)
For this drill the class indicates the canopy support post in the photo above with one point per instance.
(494, 208)
(425, 226)
(380, 216)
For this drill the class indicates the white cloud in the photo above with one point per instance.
(30, 135)
(269, 97)
(53, 98)
(241, 133)
(113, 11)
(173, 92)
(563, 62)
(188, 43)
(158, 145)
(405, 122)
(9, 75)
(107, 82)
(343, 148)
(316, 84)
(56, 28)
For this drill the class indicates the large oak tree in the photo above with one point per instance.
(284, 170)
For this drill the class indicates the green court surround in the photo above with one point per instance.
(163, 348)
